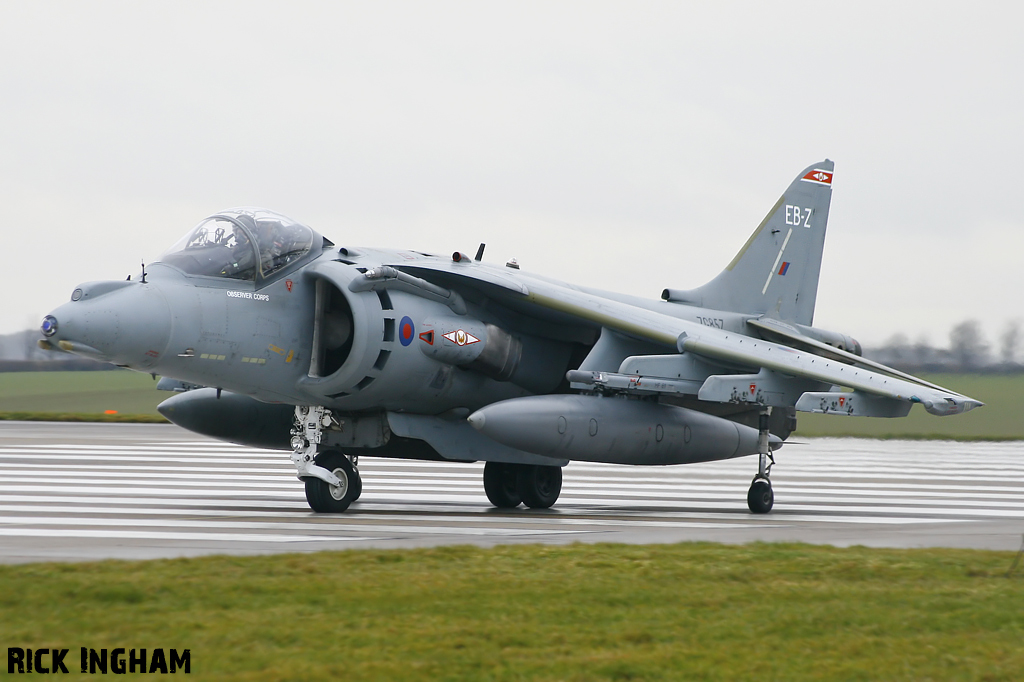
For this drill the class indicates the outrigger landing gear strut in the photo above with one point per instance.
(760, 497)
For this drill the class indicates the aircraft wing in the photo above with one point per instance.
(792, 337)
(831, 367)
(471, 272)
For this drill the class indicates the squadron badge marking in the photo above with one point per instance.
(461, 337)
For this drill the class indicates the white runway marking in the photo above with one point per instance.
(162, 535)
(66, 492)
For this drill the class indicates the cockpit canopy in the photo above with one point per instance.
(240, 243)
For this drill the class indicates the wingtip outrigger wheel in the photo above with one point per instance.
(760, 497)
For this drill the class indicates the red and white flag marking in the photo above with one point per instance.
(821, 177)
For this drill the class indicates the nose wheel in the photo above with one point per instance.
(325, 498)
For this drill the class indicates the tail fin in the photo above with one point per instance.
(777, 270)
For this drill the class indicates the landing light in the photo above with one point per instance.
(49, 325)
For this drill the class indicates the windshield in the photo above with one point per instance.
(240, 244)
(216, 248)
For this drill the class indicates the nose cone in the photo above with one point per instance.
(126, 323)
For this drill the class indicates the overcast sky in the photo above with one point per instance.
(630, 146)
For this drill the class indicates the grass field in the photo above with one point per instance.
(1001, 418)
(577, 612)
(125, 391)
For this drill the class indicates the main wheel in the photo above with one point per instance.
(538, 485)
(500, 485)
(760, 497)
(333, 499)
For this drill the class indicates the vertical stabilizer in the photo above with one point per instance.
(776, 271)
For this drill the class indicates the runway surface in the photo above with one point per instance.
(74, 492)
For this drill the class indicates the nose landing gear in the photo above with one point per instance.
(331, 478)
(760, 497)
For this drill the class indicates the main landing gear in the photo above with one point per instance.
(760, 497)
(508, 485)
(331, 477)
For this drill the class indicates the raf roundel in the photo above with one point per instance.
(406, 331)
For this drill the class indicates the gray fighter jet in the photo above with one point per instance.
(276, 337)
